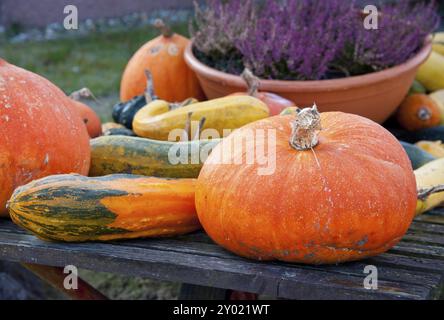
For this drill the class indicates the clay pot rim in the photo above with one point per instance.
(311, 85)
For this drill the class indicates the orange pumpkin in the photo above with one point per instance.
(343, 193)
(275, 103)
(40, 133)
(89, 118)
(163, 57)
(418, 111)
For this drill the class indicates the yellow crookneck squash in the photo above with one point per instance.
(157, 120)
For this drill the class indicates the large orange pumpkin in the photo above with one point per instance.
(163, 57)
(40, 134)
(343, 193)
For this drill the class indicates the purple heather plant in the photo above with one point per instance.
(217, 27)
(308, 39)
(402, 29)
(297, 39)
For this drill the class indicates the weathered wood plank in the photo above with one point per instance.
(428, 228)
(436, 219)
(419, 250)
(263, 278)
(385, 271)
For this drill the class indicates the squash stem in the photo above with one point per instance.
(424, 114)
(424, 193)
(252, 82)
(164, 29)
(150, 96)
(305, 129)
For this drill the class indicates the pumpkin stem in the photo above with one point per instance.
(84, 93)
(164, 29)
(252, 82)
(424, 114)
(424, 193)
(149, 92)
(305, 129)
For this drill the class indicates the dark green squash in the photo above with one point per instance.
(131, 155)
(430, 134)
(417, 156)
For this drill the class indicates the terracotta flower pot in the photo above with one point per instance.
(375, 95)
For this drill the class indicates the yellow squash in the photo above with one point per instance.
(438, 42)
(438, 97)
(220, 114)
(431, 73)
(429, 180)
(435, 148)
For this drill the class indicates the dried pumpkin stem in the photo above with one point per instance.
(305, 129)
(252, 82)
(84, 93)
(163, 28)
(424, 193)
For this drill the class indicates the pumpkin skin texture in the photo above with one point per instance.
(89, 118)
(40, 133)
(351, 197)
(75, 208)
(418, 111)
(164, 58)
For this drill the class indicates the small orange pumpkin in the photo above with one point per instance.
(276, 104)
(341, 188)
(418, 111)
(89, 118)
(164, 58)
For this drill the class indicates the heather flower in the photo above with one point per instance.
(308, 39)
(401, 33)
(221, 24)
(296, 39)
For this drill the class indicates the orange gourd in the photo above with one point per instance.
(40, 133)
(418, 111)
(163, 57)
(339, 187)
(89, 118)
(276, 104)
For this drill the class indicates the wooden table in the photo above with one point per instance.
(414, 269)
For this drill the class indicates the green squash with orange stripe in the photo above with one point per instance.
(75, 208)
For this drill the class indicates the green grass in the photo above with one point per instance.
(96, 61)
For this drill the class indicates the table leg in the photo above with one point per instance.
(55, 277)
